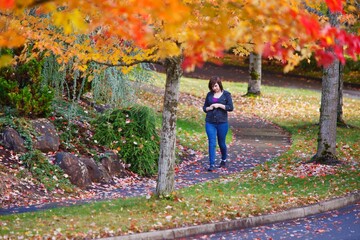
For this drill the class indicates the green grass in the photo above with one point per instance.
(282, 183)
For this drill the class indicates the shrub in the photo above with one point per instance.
(32, 101)
(52, 176)
(21, 89)
(5, 88)
(132, 132)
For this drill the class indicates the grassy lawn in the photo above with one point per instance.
(282, 183)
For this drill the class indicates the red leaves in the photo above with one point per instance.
(190, 62)
(340, 43)
(311, 25)
(324, 58)
(328, 43)
(334, 5)
(277, 50)
(7, 4)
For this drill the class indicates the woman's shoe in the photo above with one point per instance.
(211, 168)
(222, 164)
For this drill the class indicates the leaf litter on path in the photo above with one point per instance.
(243, 154)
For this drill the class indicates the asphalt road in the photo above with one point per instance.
(341, 224)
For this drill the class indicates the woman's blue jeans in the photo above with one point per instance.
(219, 131)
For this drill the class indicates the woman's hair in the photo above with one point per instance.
(213, 81)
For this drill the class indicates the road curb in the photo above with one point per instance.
(293, 213)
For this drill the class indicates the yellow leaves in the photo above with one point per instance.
(71, 22)
(23, 3)
(293, 60)
(352, 8)
(329, 40)
(174, 12)
(244, 49)
(82, 68)
(273, 28)
(5, 60)
(168, 49)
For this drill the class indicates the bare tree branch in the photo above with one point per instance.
(39, 2)
(122, 64)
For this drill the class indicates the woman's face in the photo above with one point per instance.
(216, 88)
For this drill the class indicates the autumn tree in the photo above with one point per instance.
(332, 86)
(178, 34)
(350, 20)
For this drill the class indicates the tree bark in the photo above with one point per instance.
(254, 84)
(340, 118)
(326, 150)
(166, 173)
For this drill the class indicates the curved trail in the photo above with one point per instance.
(254, 142)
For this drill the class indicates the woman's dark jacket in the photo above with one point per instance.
(218, 115)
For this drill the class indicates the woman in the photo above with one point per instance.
(218, 103)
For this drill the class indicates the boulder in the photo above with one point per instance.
(96, 171)
(113, 165)
(47, 139)
(12, 140)
(75, 168)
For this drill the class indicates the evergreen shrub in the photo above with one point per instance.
(132, 132)
(21, 90)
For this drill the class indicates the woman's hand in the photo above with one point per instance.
(210, 108)
(218, 105)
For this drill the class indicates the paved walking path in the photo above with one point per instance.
(254, 142)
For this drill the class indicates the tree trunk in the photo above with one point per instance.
(340, 119)
(326, 150)
(166, 173)
(255, 75)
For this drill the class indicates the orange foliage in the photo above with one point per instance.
(7, 4)
(197, 29)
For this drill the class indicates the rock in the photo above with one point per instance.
(113, 165)
(12, 140)
(47, 139)
(96, 171)
(75, 168)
